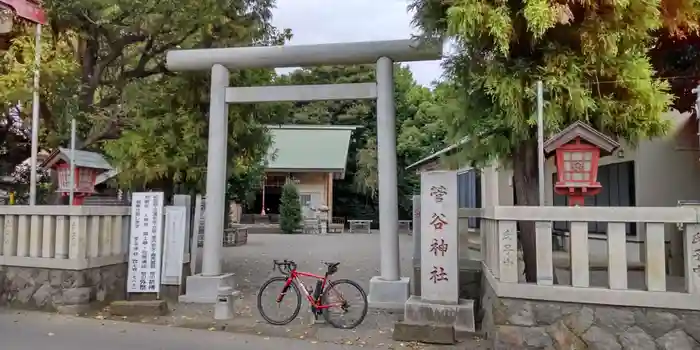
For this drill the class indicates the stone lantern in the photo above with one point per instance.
(578, 149)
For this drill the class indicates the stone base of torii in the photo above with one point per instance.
(438, 315)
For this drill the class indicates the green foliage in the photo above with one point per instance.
(165, 137)
(419, 127)
(103, 63)
(593, 63)
(164, 128)
(592, 57)
(243, 184)
(290, 208)
(58, 76)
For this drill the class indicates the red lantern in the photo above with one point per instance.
(578, 149)
(577, 169)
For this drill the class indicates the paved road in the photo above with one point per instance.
(34, 331)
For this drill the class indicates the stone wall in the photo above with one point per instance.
(522, 324)
(61, 290)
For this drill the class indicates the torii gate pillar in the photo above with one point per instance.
(387, 291)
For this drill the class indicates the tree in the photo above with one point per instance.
(290, 208)
(592, 58)
(16, 72)
(124, 41)
(242, 185)
(104, 65)
(164, 137)
(161, 120)
(58, 78)
(417, 111)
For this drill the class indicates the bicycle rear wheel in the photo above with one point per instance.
(346, 296)
(275, 287)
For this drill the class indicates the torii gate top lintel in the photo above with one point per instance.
(364, 52)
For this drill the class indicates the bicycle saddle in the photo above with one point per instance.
(332, 267)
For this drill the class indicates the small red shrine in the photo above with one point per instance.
(14, 11)
(578, 149)
(87, 166)
(24, 9)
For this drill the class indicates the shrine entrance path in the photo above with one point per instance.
(252, 264)
(358, 255)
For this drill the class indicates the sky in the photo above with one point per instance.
(332, 21)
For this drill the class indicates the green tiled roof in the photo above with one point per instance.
(309, 147)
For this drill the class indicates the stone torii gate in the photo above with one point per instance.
(389, 290)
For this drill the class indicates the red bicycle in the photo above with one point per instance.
(323, 298)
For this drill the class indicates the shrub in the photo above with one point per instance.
(290, 209)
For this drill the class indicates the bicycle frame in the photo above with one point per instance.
(294, 278)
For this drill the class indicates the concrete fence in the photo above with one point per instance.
(63, 237)
(499, 247)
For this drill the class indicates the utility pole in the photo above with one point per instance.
(696, 91)
(35, 118)
(72, 161)
(540, 140)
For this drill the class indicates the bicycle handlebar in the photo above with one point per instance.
(285, 266)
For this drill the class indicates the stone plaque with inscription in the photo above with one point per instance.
(439, 237)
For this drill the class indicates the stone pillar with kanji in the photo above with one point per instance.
(438, 313)
(439, 251)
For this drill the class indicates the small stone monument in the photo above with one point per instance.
(438, 313)
(323, 219)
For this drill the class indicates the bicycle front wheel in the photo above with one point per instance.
(347, 304)
(286, 309)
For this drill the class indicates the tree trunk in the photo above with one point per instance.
(526, 193)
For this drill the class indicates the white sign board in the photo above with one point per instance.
(145, 242)
(439, 237)
(175, 241)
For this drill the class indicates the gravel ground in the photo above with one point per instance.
(252, 265)
(358, 255)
